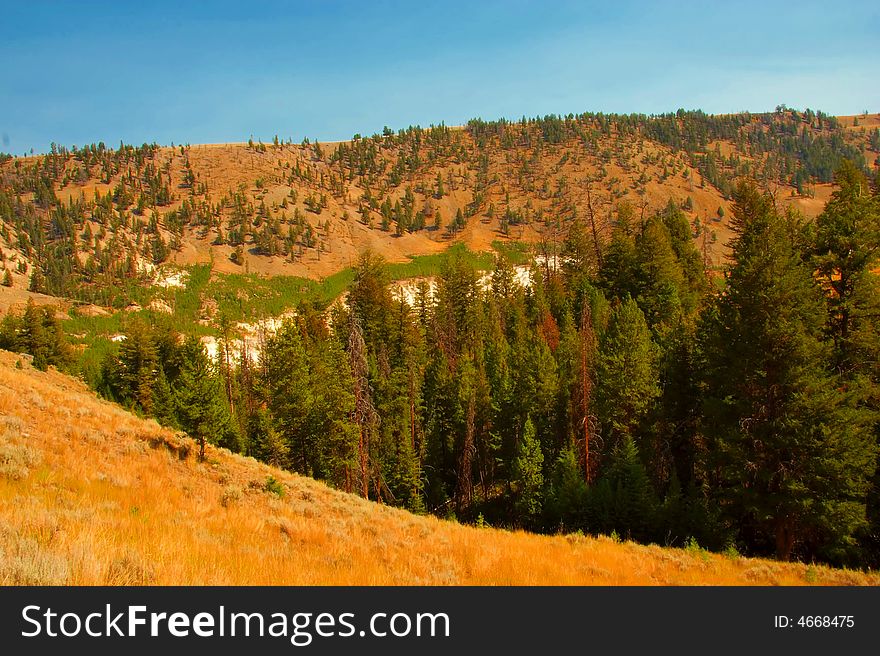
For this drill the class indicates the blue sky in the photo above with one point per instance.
(196, 72)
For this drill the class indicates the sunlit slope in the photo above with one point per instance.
(90, 494)
(309, 209)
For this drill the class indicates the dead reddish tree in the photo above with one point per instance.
(464, 489)
(588, 420)
(364, 413)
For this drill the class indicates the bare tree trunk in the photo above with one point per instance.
(412, 417)
(784, 538)
(588, 345)
(593, 227)
(227, 368)
(704, 246)
(464, 491)
(364, 413)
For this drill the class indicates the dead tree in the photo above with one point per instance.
(593, 227)
(704, 247)
(464, 489)
(585, 401)
(364, 414)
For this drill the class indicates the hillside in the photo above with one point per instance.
(90, 494)
(93, 218)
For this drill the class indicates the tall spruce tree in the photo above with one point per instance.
(202, 409)
(290, 397)
(137, 368)
(528, 474)
(847, 252)
(567, 493)
(847, 255)
(659, 279)
(633, 502)
(626, 374)
(788, 456)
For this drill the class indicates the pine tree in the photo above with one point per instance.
(579, 256)
(660, 278)
(584, 397)
(439, 191)
(38, 281)
(138, 368)
(331, 415)
(847, 252)
(33, 337)
(626, 373)
(567, 495)
(689, 258)
(503, 279)
(441, 408)
(264, 442)
(370, 297)
(675, 433)
(9, 333)
(466, 448)
(528, 474)
(7, 277)
(201, 406)
(789, 455)
(289, 394)
(633, 502)
(618, 274)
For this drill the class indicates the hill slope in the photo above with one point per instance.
(91, 217)
(90, 494)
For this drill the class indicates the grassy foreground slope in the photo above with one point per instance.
(90, 494)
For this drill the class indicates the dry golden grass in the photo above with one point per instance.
(15, 299)
(90, 494)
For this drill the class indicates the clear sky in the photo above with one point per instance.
(200, 72)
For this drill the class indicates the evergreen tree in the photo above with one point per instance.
(567, 495)
(675, 433)
(289, 394)
(364, 413)
(633, 502)
(38, 281)
(9, 328)
(626, 373)
(33, 338)
(847, 255)
(528, 474)
(137, 368)
(789, 456)
(441, 408)
(202, 410)
(164, 409)
(334, 403)
(688, 257)
(660, 278)
(618, 275)
(264, 442)
(370, 297)
(847, 252)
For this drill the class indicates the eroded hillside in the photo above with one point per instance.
(94, 218)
